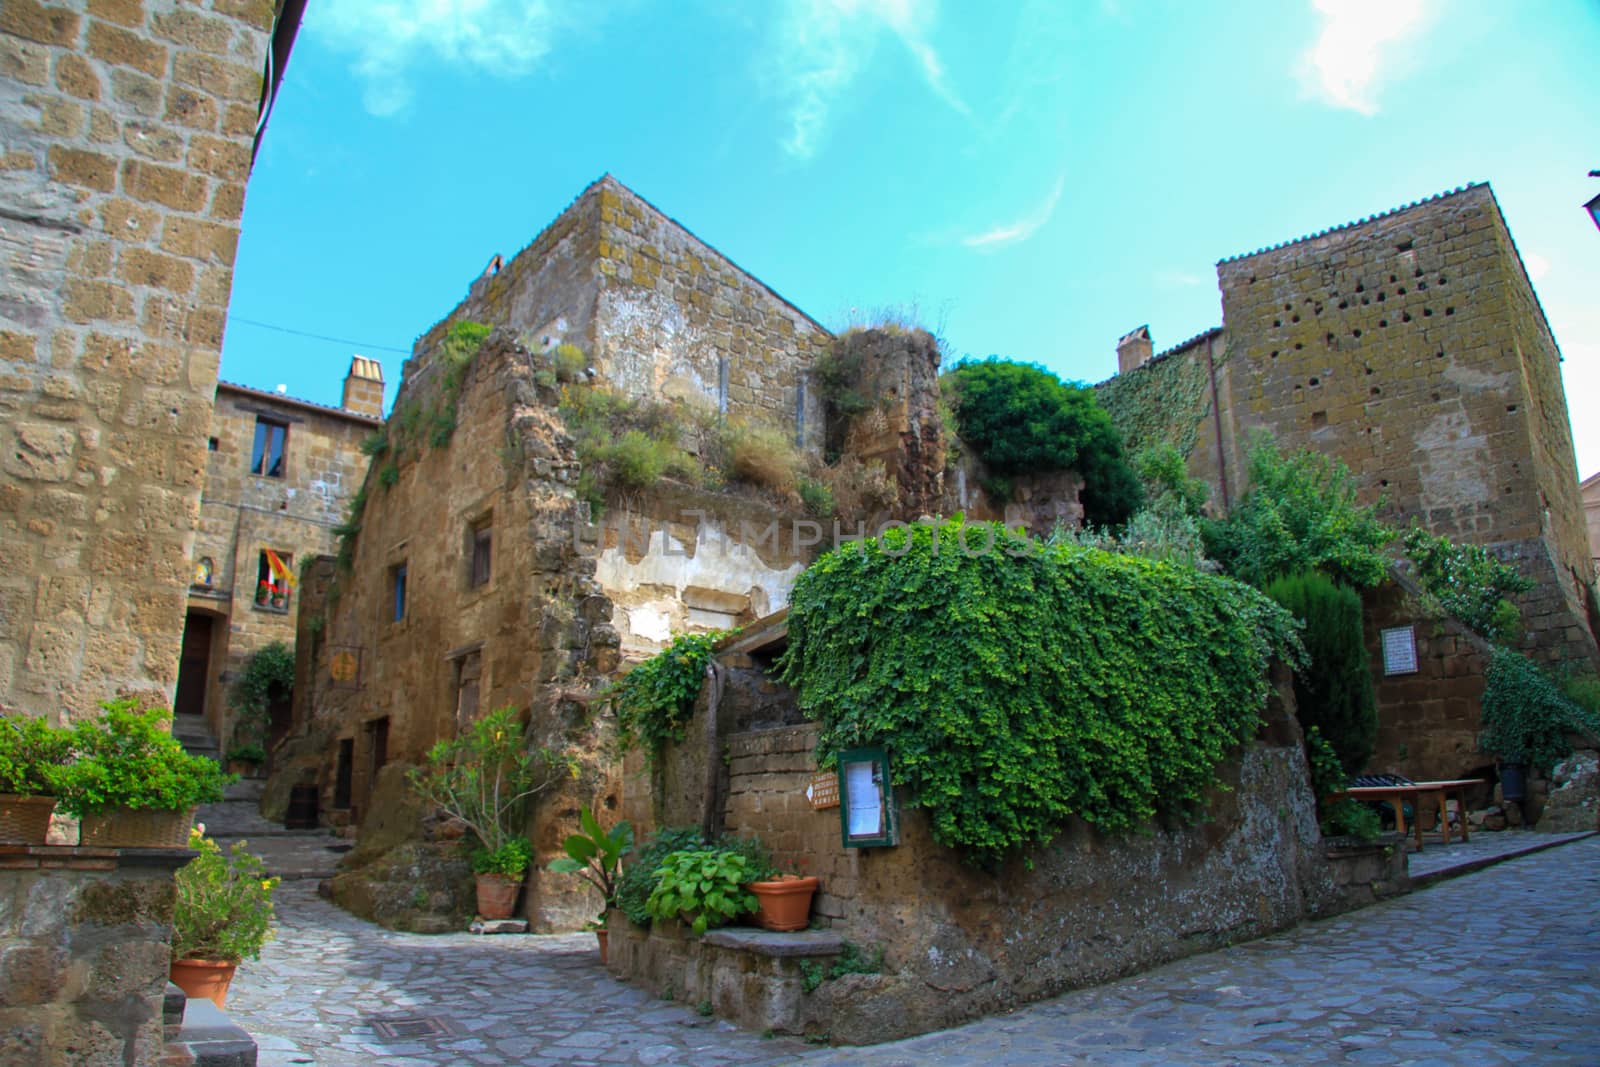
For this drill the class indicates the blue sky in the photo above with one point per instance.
(1030, 179)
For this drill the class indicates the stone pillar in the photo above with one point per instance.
(127, 130)
(363, 387)
(85, 941)
(1133, 350)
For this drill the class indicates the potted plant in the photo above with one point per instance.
(595, 855)
(263, 592)
(280, 597)
(783, 901)
(704, 887)
(486, 777)
(245, 759)
(131, 783)
(31, 755)
(222, 915)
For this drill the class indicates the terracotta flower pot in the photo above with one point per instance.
(784, 903)
(25, 820)
(600, 936)
(207, 979)
(497, 895)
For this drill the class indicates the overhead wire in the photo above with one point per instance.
(318, 336)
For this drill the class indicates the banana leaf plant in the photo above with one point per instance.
(595, 855)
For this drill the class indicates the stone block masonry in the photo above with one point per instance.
(128, 129)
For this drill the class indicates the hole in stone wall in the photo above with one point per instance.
(1365, 301)
(1360, 288)
(211, 444)
(1383, 483)
(1511, 407)
(1252, 280)
(1355, 333)
(1405, 316)
(1436, 397)
(1329, 339)
(1294, 318)
(1368, 366)
(1421, 286)
(1316, 381)
(1288, 307)
(1403, 246)
(1449, 311)
(1276, 323)
(1274, 353)
(1427, 313)
(1383, 324)
(1376, 391)
(1393, 279)
(1298, 346)
(1319, 419)
(1418, 274)
(1380, 296)
(1442, 279)
(1400, 291)
(1343, 304)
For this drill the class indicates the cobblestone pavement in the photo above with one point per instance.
(1501, 966)
(1485, 846)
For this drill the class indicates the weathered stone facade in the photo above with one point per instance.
(660, 313)
(279, 475)
(128, 131)
(1412, 347)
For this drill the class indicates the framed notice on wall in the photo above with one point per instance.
(1399, 650)
(867, 818)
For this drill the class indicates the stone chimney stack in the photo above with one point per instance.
(1133, 350)
(363, 387)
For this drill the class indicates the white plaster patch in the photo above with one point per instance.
(1453, 461)
(650, 622)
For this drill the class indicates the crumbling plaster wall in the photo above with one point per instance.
(127, 130)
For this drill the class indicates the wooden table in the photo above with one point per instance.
(1396, 794)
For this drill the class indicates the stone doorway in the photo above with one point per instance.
(194, 665)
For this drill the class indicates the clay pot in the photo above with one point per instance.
(497, 895)
(204, 979)
(600, 936)
(784, 903)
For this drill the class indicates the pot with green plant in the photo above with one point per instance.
(130, 782)
(703, 887)
(486, 777)
(32, 753)
(595, 855)
(222, 915)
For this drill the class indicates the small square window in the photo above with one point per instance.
(480, 543)
(273, 580)
(266, 457)
(397, 583)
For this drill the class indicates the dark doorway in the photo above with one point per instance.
(194, 664)
(377, 755)
(279, 713)
(344, 772)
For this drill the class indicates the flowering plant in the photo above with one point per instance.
(224, 905)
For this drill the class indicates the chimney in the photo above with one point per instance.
(363, 387)
(1133, 350)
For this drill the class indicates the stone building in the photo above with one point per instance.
(279, 476)
(1411, 346)
(128, 131)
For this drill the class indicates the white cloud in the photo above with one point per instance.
(1021, 229)
(823, 45)
(1347, 63)
(1537, 265)
(506, 38)
(1180, 279)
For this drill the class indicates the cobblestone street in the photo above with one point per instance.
(1497, 967)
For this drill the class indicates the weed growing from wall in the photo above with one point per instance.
(1017, 684)
(1468, 583)
(654, 701)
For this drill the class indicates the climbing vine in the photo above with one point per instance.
(1468, 583)
(268, 675)
(1164, 402)
(1017, 684)
(654, 701)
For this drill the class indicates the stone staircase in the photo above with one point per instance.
(197, 1032)
(195, 736)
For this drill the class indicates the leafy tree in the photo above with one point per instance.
(1333, 693)
(1299, 514)
(1468, 583)
(1017, 684)
(1019, 418)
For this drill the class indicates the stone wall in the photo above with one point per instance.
(85, 945)
(1411, 347)
(243, 513)
(660, 313)
(960, 941)
(535, 633)
(127, 130)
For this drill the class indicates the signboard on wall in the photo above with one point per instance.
(823, 792)
(1400, 650)
(866, 799)
(344, 666)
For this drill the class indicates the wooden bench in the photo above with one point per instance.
(1394, 795)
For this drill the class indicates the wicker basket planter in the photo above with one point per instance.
(136, 828)
(25, 820)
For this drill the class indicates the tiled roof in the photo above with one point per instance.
(296, 402)
(1358, 222)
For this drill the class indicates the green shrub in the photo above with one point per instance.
(1299, 514)
(1333, 693)
(1020, 686)
(375, 443)
(703, 886)
(1351, 818)
(250, 753)
(266, 678)
(851, 960)
(1020, 418)
(638, 879)
(488, 774)
(223, 909)
(1327, 773)
(817, 498)
(1583, 690)
(1468, 583)
(635, 461)
(654, 700)
(32, 752)
(1165, 477)
(763, 456)
(128, 758)
(1526, 718)
(512, 858)
(569, 363)
(595, 854)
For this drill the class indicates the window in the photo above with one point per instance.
(397, 582)
(480, 542)
(469, 669)
(272, 580)
(266, 458)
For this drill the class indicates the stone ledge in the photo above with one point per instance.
(775, 943)
(208, 1038)
(79, 858)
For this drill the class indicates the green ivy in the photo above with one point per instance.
(1022, 684)
(1468, 583)
(267, 676)
(1526, 717)
(1164, 402)
(654, 701)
